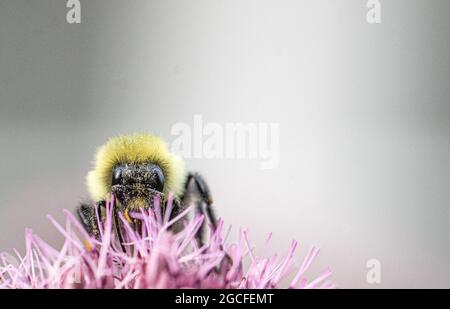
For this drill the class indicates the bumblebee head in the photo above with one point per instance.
(135, 168)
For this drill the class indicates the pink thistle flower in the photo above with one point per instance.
(154, 257)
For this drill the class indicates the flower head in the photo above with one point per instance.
(151, 256)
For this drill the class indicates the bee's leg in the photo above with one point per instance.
(118, 226)
(177, 208)
(87, 214)
(197, 193)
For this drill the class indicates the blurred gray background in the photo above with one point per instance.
(363, 112)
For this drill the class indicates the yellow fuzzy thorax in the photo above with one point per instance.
(134, 149)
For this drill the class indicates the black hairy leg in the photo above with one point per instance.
(197, 193)
(87, 214)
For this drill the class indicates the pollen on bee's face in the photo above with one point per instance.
(137, 203)
(136, 196)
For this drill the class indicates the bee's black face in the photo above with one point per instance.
(135, 184)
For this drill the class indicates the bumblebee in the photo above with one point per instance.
(135, 169)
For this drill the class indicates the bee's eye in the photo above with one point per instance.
(158, 180)
(117, 176)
